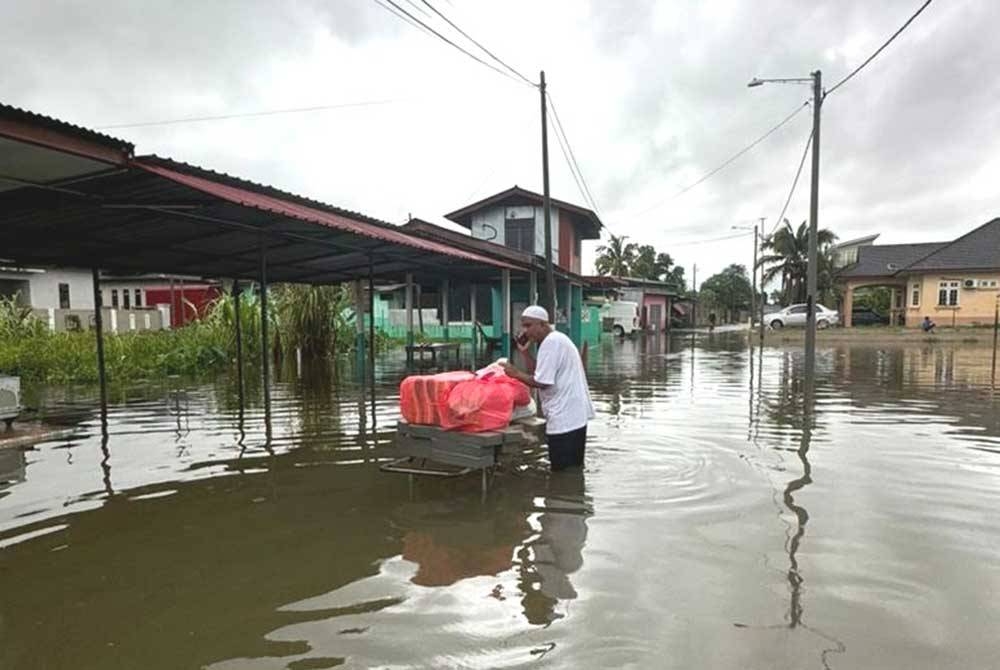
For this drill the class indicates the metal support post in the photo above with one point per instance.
(265, 358)
(237, 299)
(409, 317)
(444, 307)
(505, 311)
(99, 332)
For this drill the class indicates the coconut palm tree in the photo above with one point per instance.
(616, 257)
(789, 259)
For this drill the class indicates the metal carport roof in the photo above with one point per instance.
(158, 215)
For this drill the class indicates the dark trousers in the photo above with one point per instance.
(566, 449)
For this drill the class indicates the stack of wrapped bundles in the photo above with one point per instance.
(462, 401)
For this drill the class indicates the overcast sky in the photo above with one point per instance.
(652, 94)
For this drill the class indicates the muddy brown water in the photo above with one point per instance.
(722, 521)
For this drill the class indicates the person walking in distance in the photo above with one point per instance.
(559, 376)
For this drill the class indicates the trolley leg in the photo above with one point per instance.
(483, 471)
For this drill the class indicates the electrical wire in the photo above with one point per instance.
(223, 117)
(569, 164)
(878, 51)
(710, 239)
(571, 158)
(781, 217)
(471, 39)
(414, 20)
(726, 163)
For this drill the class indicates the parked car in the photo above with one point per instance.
(868, 317)
(621, 317)
(795, 315)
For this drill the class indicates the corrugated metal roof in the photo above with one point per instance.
(42, 121)
(288, 206)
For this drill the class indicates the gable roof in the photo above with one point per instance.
(885, 260)
(587, 221)
(978, 249)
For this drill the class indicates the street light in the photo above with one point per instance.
(816, 79)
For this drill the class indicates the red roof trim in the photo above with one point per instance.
(254, 200)
(57, 140)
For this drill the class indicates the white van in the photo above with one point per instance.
(622, 316)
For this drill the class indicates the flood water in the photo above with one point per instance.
(724, 520)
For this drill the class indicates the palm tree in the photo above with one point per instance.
(615, 258)
(790, 259)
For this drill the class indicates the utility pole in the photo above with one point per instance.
(753, 280)
(817, 78)
(763, 295)
(694, 304)
(550, 279)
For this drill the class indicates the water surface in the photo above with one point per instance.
(724, 520)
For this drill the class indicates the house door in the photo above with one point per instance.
(655, 317)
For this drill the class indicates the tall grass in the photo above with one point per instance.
(315, 319)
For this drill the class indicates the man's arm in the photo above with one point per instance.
(523, 376)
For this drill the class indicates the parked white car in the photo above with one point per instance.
(624, 316)
(795, 316)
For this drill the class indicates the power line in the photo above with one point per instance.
(728, 161)
(414, 20)
(471, 39)
(879, 50)
(571, 158)
(711, 239)
(781, 217)
(223, 117)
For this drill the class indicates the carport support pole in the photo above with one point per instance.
(237, 293)
(265, 362)
(505, 311)
(409, 317)
(371, 336)
(359, 329)
(532, 288)
(444, 307)
(472, 318)
(99, 331)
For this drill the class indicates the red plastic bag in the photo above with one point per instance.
(495, 375)
(478, 405)
(422, 396)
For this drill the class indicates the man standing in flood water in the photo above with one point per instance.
(562, 385)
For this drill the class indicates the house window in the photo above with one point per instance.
(114, 298)
(126, 302)
(138, 298)
(915, 295)
(520, 234)
(948, 294)
(63, 296)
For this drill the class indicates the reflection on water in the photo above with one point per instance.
(731, 515)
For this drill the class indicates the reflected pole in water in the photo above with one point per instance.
(802, 518)
(106, 458)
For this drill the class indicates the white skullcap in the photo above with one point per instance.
(535, 312)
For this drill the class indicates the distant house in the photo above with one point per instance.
(64, 297)
(954, 283)
(515, 218)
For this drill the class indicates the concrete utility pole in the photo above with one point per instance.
(753, 278)
(763, 295)
(817, 77)
(694, 304)
(550, 279)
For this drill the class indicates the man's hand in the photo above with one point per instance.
(512, 370)
(523, 348)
